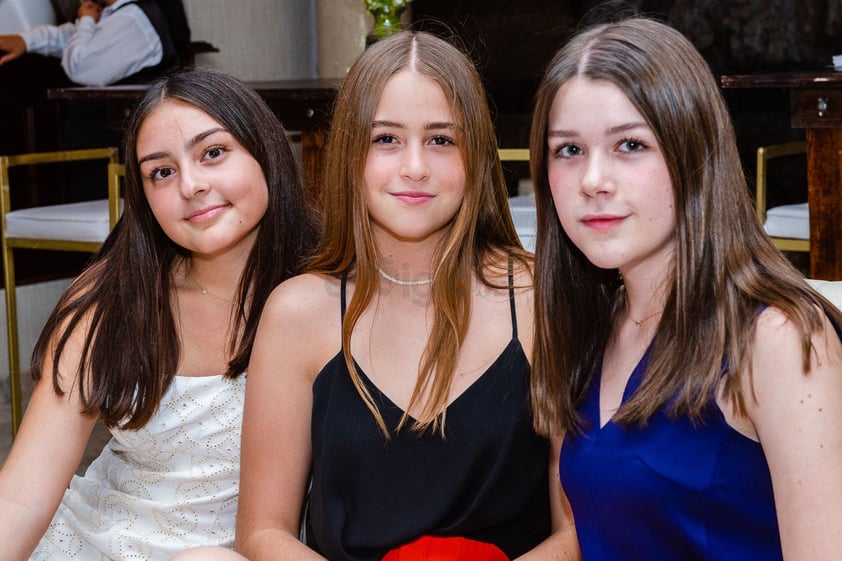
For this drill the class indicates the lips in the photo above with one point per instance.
(206, 213)
(602, 222)
(413, 197)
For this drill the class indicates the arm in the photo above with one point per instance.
(798, 420)
(45, 455)
(50, 40)
(276, 448)
(562, 544)
(118, 45)
(13, 46)
(47, 40)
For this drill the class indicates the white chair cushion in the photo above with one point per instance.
(86, 221)
(832, 290)
(788, 221)
(525, 219)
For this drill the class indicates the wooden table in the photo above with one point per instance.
(815, 105)
(301, 105)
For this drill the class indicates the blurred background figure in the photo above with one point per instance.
(90, 43)
(101, 42)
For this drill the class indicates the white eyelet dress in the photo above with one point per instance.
(156, 491)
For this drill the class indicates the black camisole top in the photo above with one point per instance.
(486, 479)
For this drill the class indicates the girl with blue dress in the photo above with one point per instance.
(695, 376)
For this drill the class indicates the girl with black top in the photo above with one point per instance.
(396, 373)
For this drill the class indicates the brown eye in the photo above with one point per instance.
(159, 174)
(214, 152)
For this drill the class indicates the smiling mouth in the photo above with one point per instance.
(207, 213)
(413, 197)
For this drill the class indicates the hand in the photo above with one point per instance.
(13, 45)
(89, 8)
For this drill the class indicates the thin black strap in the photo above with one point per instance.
(342, 294)
(342, 284)
(512, 298)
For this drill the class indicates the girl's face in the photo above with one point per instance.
(205, 189)
(609, 180)
(414, 175)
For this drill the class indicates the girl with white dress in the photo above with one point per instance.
(154, 337)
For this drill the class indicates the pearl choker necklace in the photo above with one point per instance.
(400, 282)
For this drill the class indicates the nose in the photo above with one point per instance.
(597, 176)
(414, 165)
(193, 181)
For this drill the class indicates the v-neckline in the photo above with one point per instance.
(513, 343)
(628, 389)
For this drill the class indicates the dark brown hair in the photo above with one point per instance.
(123, 299)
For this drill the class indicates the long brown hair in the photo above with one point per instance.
(725, 270)
(481, 228)
(124, 299)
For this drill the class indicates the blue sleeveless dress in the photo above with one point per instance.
(486, 480)
(673, 490)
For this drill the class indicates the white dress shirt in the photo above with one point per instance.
(98, 53)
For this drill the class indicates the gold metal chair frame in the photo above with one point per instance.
(513, 154)
(764, 154)
(8, 244)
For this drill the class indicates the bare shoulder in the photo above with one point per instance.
(301, 323)
(303, 307)
(772, 320)
(783, 376)
(305, 295)
(777, 337)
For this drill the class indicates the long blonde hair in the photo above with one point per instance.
(481, 227)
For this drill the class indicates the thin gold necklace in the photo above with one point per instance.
(642, 321)
(204, 290)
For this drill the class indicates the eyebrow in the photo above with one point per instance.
(191, 143)
(427, 126)
(611, 130)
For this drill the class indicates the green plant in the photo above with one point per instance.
(387, 14)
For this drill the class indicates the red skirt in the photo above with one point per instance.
(429, 548)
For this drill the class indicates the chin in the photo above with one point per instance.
(419, 233)
(603, 261)
(605, 265)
